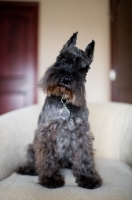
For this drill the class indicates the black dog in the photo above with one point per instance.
(63, 137)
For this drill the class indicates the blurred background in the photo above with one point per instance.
(33, 32)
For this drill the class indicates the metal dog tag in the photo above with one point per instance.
(64, 113)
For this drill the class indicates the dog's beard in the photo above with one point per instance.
(63, 92)
(67, 94)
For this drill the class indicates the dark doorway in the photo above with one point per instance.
(121, 49)
(18, 55)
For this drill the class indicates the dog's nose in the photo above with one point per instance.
(66, 80)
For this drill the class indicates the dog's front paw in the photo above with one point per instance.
(55, 181)
(89, 183)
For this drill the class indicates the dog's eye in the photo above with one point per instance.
(64, 59)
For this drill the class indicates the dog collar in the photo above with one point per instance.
(64, 112)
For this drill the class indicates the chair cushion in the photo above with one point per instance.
(117, 185)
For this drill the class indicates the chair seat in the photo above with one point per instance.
(117, 185)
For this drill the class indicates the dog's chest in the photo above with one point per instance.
(66, 141)
(63, 129)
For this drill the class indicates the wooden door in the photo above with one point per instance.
(18, 55)
(121, 49)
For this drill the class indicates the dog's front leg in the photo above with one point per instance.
(83, 163)
(46, 161)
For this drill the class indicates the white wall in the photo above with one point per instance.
(58, 19)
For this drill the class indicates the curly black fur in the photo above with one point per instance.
(64, 142)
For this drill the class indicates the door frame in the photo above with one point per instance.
(114, 44)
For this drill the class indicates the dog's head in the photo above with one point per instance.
(66, 78)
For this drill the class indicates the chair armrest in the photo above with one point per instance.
(111, 124)
(16, 132)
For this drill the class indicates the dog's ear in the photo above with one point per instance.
(71, 42)
(90, 51)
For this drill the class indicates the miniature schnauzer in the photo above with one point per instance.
(63, 138)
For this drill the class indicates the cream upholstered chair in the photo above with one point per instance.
(111, 124)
